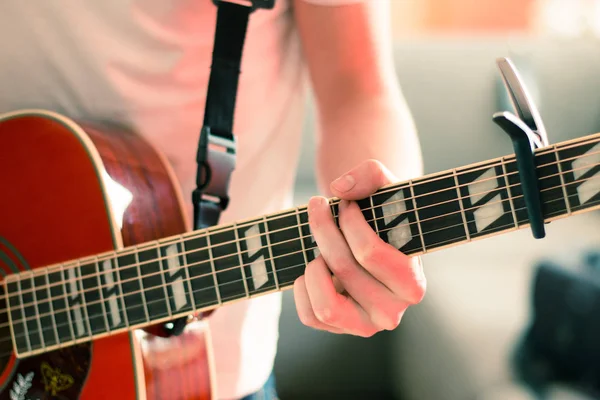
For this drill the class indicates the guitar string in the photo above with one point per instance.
(455, 173)
(213, 247)
(97, 274)
(120, 330)
(186, 236)
(199, 235)
(36, 317)
(417, 209)
(404, 185)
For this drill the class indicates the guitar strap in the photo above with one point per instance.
(216, 154)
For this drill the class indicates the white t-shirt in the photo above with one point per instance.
(146, 63)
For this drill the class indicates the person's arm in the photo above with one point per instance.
(364, 126)
(362, 112)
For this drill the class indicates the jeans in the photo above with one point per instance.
(267, 392)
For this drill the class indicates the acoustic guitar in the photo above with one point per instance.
(94, 251)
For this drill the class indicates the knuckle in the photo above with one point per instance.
(418, 292)
(308, 319)
(388, 320)
(343, 268)
(367, 332)
(370, 254)
(419, 280)
(311, 272)
(326, 315)
(390, 323)
(310, 267)
(373, 164)
(376, 169)
(346, 219)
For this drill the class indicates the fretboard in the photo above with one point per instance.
(158, 281)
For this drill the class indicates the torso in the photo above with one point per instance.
(146, 63)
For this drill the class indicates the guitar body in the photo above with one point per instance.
(69, 191)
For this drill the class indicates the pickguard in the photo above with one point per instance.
(58, 374)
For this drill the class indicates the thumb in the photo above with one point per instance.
(362, 181)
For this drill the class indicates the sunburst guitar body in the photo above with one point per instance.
(68, 191)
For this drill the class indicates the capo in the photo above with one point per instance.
(527, 133)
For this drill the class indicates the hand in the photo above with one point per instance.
(373, 283)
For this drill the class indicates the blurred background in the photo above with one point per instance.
(460, 341)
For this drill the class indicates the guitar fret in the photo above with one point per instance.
(37, 312)
(412, 193)
(372, 206)
(485, 199)
(237, 241)
(286, 250)
(84, 306)
(562, 180)
(66, 300)
(270, 252)
(110, 291)
(395, 219)
(164, 287)
(516, 193)
(200, 268)
(214, 270)
(43, 309)
(510, 198)
(257, 265)
(46, 285)
(438, 211)
(30, 313)
(60, 303)
(15, 316)
(582, 177)
(74, 310)
(550, 185)
(121, 269)
(335, 211)
(101, 295)
(24, 314)
(127, 296)
(462, 206)
(153, 282)
(188, 279)
(310, 245)
(176, 286)
(92, 295)
(300, 236)
(225, 258)
(143, 298)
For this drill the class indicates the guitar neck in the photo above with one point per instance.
(138, 286)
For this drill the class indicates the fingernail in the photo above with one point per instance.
(344, 183)
(315, 202)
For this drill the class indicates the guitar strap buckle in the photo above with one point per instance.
(216, 161)
(216, 154)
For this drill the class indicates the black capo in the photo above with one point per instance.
(527, 133)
